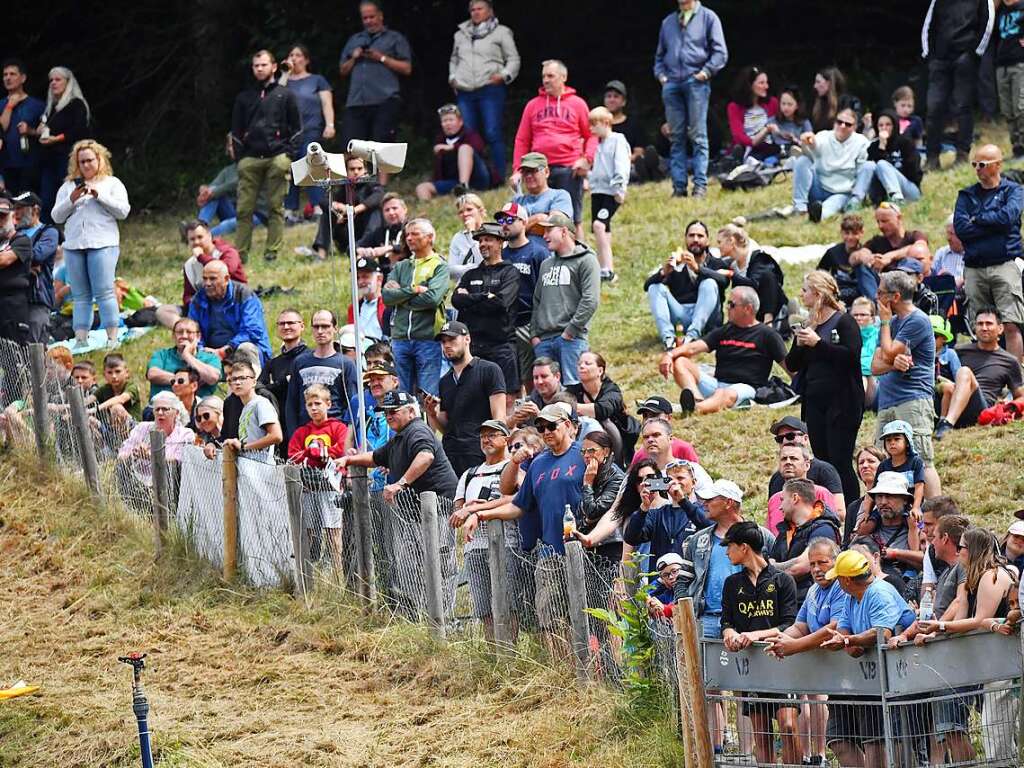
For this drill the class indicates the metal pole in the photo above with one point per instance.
(349, 217)
(500, 614)
(230, 458)
(158, 460)
(86, 447)
(577, 588)
(890, 752)
(432, 562)
(1020, 707)
(41, 420)
(300, 540)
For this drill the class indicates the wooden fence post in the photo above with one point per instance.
(300, 537)
(433, 584)
(161, 489)
(41, 418)
(362, 534)
(86, 447)
(577, 586)
(692, 696)
(230, 458)
(497, 566)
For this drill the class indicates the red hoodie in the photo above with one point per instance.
(558, 127)
(331, 436)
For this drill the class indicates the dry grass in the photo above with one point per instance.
(240, 678)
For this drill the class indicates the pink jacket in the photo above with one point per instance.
(558, 127)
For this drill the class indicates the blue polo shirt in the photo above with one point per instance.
(881, 607)
(821, 607)
(551, 482)
(28, 111)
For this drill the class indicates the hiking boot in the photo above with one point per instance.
(932, 163)
(941, 429)
(814, 211)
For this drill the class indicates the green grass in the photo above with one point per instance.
(983, 468)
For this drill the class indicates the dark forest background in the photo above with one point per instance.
(161, 76)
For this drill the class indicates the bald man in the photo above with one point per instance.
(230, 317)
(987, 221)
(889, 247)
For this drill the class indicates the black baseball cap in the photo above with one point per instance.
(380, 368)
(745, 532)
(655, 404)
(452, 329)
(396, 399)
(367, 265)
(792, 422)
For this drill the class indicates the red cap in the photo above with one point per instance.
(517, 210)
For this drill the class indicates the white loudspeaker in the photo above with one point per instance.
(317, 166)
(389, 158)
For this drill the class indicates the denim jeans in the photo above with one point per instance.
(222, 209)
(418, 364)
(867, 281)
(482, 111)
(807, 188)
(315, 195)
(895, 184)
(693, 317)
(479, 177)
(565, 352)
(686, 109)
(91, 277)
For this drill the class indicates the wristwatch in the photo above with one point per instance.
(942, 626)
(846, 641)
(403, 482)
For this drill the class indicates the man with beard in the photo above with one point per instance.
(374, 317)
(896, 537)
(472, 392)
(686, 289)
(15, 268)
(801, 524)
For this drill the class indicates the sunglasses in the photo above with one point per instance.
(516, 446)
(506, 219)
(979, 164)
(785, 436)
(181, 380)
(845, 123)
(591, 451)
(547, 426)
(730, 304)
(448, 109)
(205, 417)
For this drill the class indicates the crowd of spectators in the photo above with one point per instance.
(499, 403)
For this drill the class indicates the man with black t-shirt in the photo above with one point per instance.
(757, 603)
(890, 246)
(744, 351)
(526, 253)
(643, 157)
(472, 392)
(277, 373)
(789, 430)
(986, 370)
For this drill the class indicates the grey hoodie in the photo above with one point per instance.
(567, 294)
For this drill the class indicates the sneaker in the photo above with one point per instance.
(112, 344)
(853, 205)
(679, 193)
(291, 218)
(669, 343)
(941, 429)
(304, 250)
(459, 190)
(700, 191)
(814, 211)
(687, 402)
(933, 164)
(269, 256)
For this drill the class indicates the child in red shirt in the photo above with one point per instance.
(313, 445)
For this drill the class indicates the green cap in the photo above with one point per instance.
(941, 327)
(558, 219)
(533, 160)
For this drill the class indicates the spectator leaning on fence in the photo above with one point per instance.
(259, 427)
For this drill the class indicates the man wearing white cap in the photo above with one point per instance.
(897, 538)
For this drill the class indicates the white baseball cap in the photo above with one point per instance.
(727, 489)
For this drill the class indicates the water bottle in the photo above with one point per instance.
(24, 144)
(568, 523)
(926, 611)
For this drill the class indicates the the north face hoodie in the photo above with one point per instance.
(567, 294)
(559, 127)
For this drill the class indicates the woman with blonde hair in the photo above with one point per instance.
(89, 204)
(464, 251)
(65, 121)
(754, 268)
(825, 363)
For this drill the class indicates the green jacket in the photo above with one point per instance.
(417, 316)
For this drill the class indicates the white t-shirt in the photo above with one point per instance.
(257, 414)
(483, 481)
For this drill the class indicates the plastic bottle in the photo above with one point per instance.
(680, 334)
(568, 523)
(926, 611)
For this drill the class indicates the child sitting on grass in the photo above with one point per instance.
(898, 439)
(119, 395)
(312, 445)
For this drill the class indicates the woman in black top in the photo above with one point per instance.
(65, 121)
(602, 481)
(825, 363)
(897, 163)
(600, 398)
